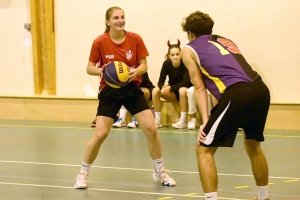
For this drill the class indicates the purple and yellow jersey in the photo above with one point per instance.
(221, 63)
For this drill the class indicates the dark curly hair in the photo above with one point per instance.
(198, 23)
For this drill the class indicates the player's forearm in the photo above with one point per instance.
(201, 97)
(141, 69)
(94, 71)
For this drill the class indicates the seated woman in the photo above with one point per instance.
(179, 82)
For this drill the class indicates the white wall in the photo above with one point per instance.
(265, 31)
(16, 67)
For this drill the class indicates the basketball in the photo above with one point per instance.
(116, 74)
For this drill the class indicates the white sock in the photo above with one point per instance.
(157, 115)
(123, 113)
(194, 120)
(183, 116)
(158, 164)
(263, 192)
(85, 166)
(211, 196)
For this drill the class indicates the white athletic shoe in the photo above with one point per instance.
(133, 124)
(163, 177)
(179, 124)
(158, 123)
(120, 123)
(191, 125)
(81, 179)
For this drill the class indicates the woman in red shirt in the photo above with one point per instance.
(116, 44)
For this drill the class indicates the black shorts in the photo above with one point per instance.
(243, 105)
(112, 99)
(150, 90)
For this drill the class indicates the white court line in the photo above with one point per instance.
(120, 191)
(136, 169)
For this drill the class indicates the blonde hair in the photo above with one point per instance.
(108, 15)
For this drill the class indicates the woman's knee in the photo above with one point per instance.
(150, 130)
(183, 91)
(100, 135)
(155, 91)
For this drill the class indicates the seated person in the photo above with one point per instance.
(193, 106)
(179, 82)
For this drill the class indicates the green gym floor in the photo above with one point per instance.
(39, 160)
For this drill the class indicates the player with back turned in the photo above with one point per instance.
(116, 44)
(216, 63)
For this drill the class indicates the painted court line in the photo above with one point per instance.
(83, 128)
(289, 181)
(138, 169)
(107, 190)
(137, 130)
(239, 187)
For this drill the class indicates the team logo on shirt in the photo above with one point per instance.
(109, 56)
(128, 54)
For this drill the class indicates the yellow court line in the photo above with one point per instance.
(239, 187)
(283, 136)
(165, 198)
(138, 130)
(289, 181)
(191, 194)
(109, 190)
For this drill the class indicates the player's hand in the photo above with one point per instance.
(163, 89)
(103, 67)
(168, 89)
(201, 135)
(132, 75)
